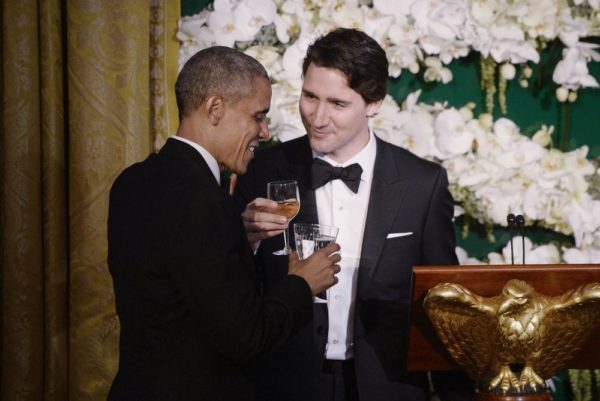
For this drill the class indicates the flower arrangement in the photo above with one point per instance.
(493, 169)
(417, 35)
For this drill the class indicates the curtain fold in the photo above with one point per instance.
(54, 206)
(22, 248)
(164, 48)
(87, 89)
(108, 69)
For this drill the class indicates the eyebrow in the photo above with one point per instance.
(263, 111)
(329, 99)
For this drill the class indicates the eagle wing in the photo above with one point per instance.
(463, 322)
(569, 321)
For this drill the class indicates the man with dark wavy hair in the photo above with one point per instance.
(393, 210)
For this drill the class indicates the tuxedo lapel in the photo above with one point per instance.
(177, 149)
(387, 191)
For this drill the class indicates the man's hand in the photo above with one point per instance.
(260, 222)
(319, 269)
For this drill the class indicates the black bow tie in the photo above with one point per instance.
(322, 172)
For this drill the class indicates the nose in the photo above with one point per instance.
(263, 135)
(321, 116)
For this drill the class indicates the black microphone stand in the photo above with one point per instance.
(520, 220)
(510, 219)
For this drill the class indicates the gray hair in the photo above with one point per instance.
(217, 70)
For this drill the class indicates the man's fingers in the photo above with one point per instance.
(331, 248)
(336, 268)
(335, 258)
(331, 251)
(263, 226)
(261, 217)
(262, 202)
(267, 229)
(293, 257)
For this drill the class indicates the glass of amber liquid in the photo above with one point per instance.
(285, 193)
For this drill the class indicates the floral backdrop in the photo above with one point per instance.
(493, 168)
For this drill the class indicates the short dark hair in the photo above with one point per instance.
(357, 55)
(216, 70)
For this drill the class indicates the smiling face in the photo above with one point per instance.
(334, 115)
(243, 124)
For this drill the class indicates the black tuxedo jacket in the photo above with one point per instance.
(408, 195)
(186, 285)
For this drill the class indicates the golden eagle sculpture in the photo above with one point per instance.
(511, 343)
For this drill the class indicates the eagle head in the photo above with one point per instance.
(517, 294)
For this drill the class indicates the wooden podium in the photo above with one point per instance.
(425, 350)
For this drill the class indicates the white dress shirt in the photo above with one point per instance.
(338, 206)
(208, 158)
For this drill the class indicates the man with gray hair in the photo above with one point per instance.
(186, 287)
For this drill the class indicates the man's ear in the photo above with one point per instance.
(373, 108)
(214, 107)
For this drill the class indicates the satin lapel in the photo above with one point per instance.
(299, 169)
(387, 191)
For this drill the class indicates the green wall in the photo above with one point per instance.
(191, 7)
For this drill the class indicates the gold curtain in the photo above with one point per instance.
(87, 89)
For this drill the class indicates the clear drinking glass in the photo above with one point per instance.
(310, 238)
(286, 194)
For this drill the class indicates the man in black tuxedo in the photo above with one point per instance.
(393, 210)
(186, 286)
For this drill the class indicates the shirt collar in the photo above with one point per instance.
(208, 158)
(365, 158)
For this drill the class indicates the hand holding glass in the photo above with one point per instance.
(286, 194)
(309, 238)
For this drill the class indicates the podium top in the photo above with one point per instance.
(425, 350)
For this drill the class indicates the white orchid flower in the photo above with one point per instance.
(268, 56)
(223, 25)
(464, 259)
(292, 60)
(507, 132)
(584, 217)
(482, 12)
(477, 174)
(572, 71)
(543, 255)
(495, 203)
(252, 15)
(348, 16)
(190, 26)
(436, 71)
(377, 25)
(393, 7)
(581, 256)
(415, 129)
(543, 136)
(441, 19)
(453, 138)
(519, 157)
(285, 122)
